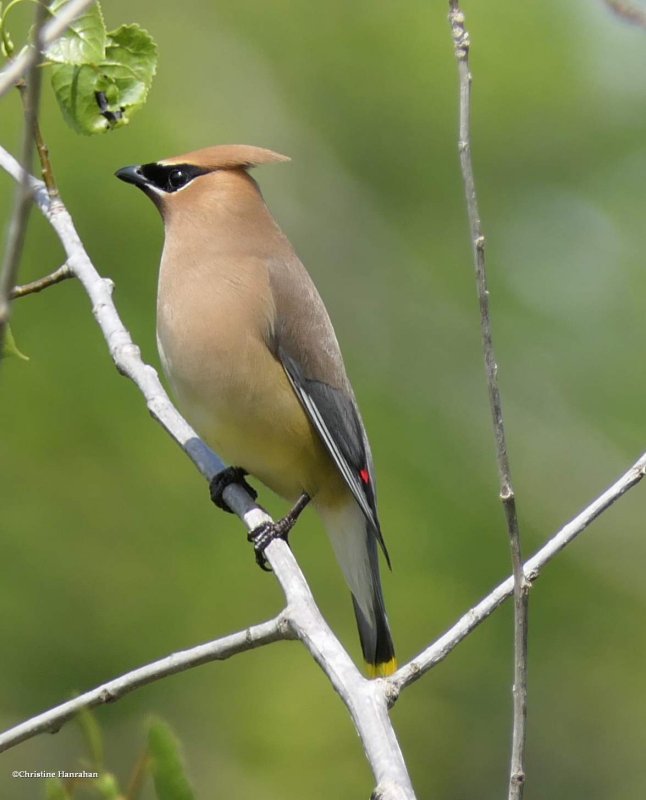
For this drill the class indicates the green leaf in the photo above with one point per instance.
(55, 790)
(167, 766)
(84, 40)
(98, 98)
(9, 347)
(75, 89)
(131, 63)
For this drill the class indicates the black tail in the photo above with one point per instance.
(374, 631)
(376, 642)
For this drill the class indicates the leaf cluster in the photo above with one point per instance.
(100, 77)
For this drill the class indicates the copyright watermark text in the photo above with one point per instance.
(60, 773)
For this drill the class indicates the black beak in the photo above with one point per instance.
(132, 175)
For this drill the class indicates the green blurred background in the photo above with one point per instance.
(112, 554)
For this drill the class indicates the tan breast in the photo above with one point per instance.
(212, 327)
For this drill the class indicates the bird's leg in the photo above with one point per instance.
(223, 479)
(268, 531)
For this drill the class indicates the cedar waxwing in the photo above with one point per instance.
(252, 357)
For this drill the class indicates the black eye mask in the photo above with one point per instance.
(172, 177)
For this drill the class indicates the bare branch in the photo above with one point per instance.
(366, 700)
(440, 649)
(16, 68)
(59, 275)
(628, 11)
(299, 598)
(51, 721)
(22, 196)
(517, 770)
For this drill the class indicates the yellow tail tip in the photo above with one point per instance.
(382, 670)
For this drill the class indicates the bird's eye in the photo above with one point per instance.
(177, 178)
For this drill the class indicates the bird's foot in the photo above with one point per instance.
(223, 479)
(264, 534)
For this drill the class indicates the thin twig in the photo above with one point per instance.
(22, 196)
(63, 273)
(138, 776)
(440, 649)
(517, 769)
(41, 148)
(45, 164)
(629, 12)
(56, 26)
(51, 721)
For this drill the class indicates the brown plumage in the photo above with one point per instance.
(251, 354)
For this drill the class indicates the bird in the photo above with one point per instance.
(253, 360)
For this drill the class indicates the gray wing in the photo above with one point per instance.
(305, 344)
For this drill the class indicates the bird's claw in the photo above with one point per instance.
(223, 479)
(266, 532)
(262, 536)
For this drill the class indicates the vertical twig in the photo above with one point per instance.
(23, 193)
(43, 153)
(41, 148)
(138, 776)
(517, 770)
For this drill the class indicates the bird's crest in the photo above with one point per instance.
(227, 156)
